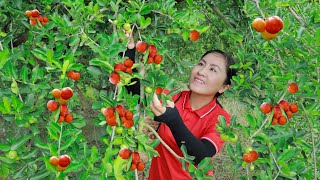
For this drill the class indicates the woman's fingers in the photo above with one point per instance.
(170, 104)
(156, 105)
(155, 110)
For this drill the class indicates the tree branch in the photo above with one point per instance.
(217, 11)
(259, 9)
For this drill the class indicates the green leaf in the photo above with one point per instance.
(222, 121)
(144, 23)
(288, 154)
(101, 63)
(251, 120)
(6, 104)
(4, 57)
(145, 9)
(204, 163)
(190, 3)
(74, 40)
(41, 175)
(5, 147)
(17, 143)
(24, 73)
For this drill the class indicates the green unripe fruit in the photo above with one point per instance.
(126, 26)
(148, 89)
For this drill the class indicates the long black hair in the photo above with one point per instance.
(230, 71)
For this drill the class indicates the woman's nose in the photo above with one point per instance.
(202, 71)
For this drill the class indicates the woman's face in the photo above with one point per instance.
(208, 76)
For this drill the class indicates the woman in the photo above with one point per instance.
(192, 116)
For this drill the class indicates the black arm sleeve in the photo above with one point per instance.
(182, 135)
(135, 88)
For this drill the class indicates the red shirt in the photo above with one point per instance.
(201, 123)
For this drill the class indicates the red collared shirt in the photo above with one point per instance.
(201, 123)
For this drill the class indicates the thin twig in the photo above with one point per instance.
(264, 122)
(163, 14)
(136, 174)
(163, 143)
(312, 139)
(298, 18)
(259, 9)
(275, 161)
(279, 57)
(90, 38)
(99, 12)
(59, 143)
(1, 47)
(217, 11)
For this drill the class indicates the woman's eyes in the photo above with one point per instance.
(202, 64)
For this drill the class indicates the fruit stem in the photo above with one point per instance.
(258, 7)
(113, 133)
(59, 143)
(136, 174)
(163, 143)
(1, 47)
(312, 139)
(275, 161)
(264, 122)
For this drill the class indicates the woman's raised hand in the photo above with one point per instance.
(156, 106)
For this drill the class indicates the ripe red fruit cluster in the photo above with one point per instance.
(73, 75)
(34, 16)
(153, 57)
(126, 116)
(61, 162)
(136, 163)
(278, 117)
(250, 156)
(194, 35)
(268, 28)
(125, 66)
(63, 97)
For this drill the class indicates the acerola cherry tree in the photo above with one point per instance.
(64, 110)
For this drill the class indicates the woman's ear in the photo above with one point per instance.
(224, 88)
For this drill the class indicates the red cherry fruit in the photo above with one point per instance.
(128, 63)
(289, 114)
(54, 160)
(284, 105)
(121, 110)
(277, 111)
(108, 112)
(52, 105)
(258, 24)
(194, 35)
(35, 13)
(45, 19)
(124, 153)
(141, 46)
(150, 60)
(70, 74)
(123, 119)
(28, 13)
(158, 90)
(293, 108)
(114, 78)
(152, 51)
(119, 67)
(61, 119)
(64, 110)
(157, 59)
(61, 169)
(64, 160)
(254, 155)
(282, 120)
(265, 108)
(129, 70)
(135, 157)
(292, 88)
(274, 24)
(128, 124)
(68, 118)
(129, 115)
(133, 167)
(76, 76)
(66, 93)
(111, 121)
(247, 158)
(140, 166)
(274, 121)
(33, 22)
